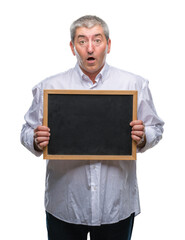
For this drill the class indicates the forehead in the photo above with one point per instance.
(89, 32)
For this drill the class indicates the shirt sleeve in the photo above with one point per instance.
(33, 118)
(147, 113)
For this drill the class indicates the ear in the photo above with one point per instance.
(72, 48)
(109, 46)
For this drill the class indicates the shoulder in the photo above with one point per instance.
(126, 76)
(54, 81)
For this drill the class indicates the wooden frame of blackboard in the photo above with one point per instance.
(52, 93)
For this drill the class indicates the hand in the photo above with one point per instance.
(138, 132)
(41, 137)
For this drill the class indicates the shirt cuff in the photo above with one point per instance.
(152, 138)
(28, 142)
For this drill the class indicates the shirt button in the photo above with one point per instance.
(94, 188)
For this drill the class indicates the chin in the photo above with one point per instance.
(93, 68)
(90, 69)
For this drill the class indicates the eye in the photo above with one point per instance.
(97, 40)
(82, 42)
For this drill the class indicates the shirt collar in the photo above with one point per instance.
(101, 75)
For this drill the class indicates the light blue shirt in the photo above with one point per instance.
(93, 192)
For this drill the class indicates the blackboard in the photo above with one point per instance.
(90, 124)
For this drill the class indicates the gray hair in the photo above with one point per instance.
(88, 21)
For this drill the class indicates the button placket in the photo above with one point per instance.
(95, 168)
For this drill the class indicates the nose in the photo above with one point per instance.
(90, 47)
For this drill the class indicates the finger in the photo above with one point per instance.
(39, 140)
(136, 122)
(138, 133)
(42, 134)
(138, 128)
(42, 128)
(135, 138)
(44, 144)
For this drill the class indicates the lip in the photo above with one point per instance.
(91, 60)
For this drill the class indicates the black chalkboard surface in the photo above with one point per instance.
(90, 124)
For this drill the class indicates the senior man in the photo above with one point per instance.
(100, 197)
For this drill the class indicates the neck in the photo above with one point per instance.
(92, 75)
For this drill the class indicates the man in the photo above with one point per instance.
(100, 197)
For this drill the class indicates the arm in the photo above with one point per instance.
(33, 119)
(147, 131)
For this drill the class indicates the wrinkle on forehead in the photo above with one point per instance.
(90, 32)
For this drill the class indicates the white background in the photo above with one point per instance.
(147, 39)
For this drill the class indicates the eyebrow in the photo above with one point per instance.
(96, 35)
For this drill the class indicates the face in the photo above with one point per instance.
(90, 47)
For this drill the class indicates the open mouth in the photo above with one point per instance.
(90, 59)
